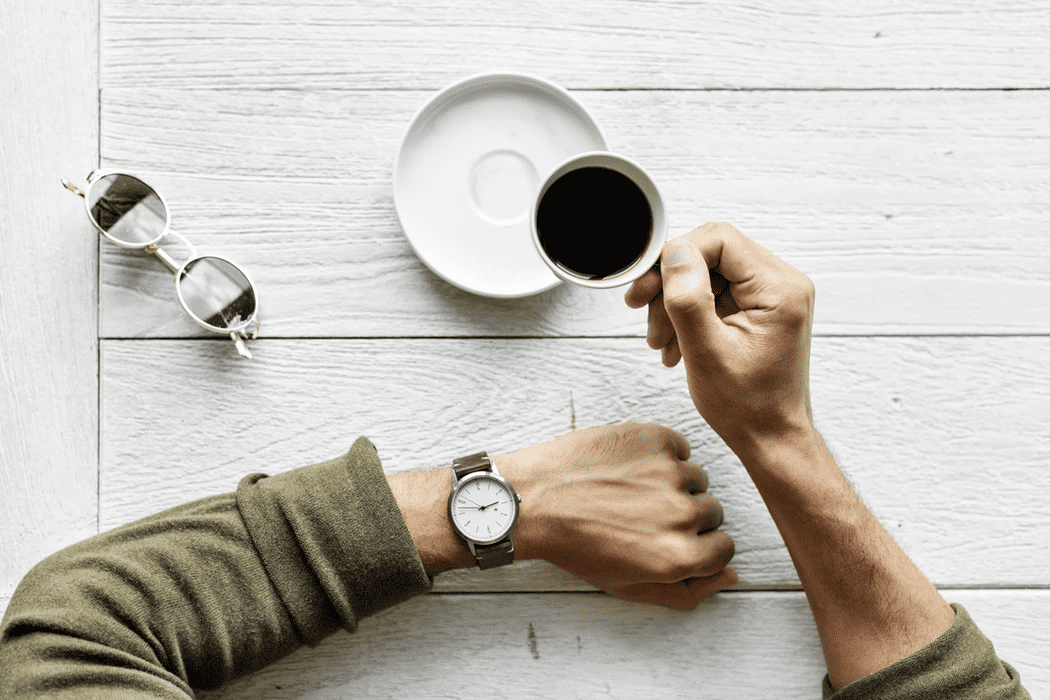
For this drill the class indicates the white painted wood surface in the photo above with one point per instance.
(964, 497)
(873, 144)
(735, 645)
(397, 44)
(914, 212)
(48, 283)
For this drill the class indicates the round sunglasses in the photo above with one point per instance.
(217, 294)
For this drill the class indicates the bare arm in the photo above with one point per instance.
(619, 506)
(871, 604)
(202, 593)
(740, 319)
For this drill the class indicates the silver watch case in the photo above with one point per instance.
(457, 486)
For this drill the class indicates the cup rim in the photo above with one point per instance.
(640, 177)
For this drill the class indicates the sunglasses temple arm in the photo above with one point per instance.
(242, 347)
(73, 188)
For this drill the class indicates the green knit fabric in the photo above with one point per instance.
(960, 664)
(203, 593)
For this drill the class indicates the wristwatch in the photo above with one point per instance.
(483, 508)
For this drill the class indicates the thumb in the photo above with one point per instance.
(688, 298)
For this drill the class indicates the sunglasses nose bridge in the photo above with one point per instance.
(164, 257)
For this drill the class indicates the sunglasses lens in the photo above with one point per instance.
(217, 292)
(127, 209)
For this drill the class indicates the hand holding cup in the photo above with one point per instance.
(740, 318)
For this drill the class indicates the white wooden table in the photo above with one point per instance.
(898, 152)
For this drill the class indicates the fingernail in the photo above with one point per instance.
(676, 254)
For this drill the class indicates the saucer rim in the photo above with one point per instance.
(497, 78)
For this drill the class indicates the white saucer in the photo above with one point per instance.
(466, 172)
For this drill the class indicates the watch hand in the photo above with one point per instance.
(491, 504)
(467, 499)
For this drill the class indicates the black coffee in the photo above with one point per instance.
(594, 222)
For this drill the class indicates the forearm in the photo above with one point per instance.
(620, 507)
(202, 593)
(871, 603)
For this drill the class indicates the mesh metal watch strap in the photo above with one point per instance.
(488, 556)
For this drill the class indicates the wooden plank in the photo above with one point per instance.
(619, 44)
(754, 645)
(945, 438)
(913, 212)
(48, 283)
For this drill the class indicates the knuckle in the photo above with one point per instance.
(665, 439)
(678, 304)
(682, 512)
(711, 514)
(799, 296)
(720, 552)
(728, 231)
(727, 550)
(801, 289)
(678, 561)
(808, 287)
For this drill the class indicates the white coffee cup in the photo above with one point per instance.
(612, 248)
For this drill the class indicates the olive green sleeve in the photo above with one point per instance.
(203, 593)
(960, 664)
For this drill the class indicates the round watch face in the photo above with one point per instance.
(483, 508)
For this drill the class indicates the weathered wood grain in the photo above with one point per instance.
(619, 44)
(753, 645)
(945, 438)
(48, 282)
(914, 212)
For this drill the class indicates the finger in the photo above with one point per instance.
(671, 353)
(710, 515)
(682, 595)
(661, 330)
(752, 271)
(677, 442)
(694, 478)
(718, 549)
(644, 289)
(689, 300)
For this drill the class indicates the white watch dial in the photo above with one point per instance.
(483, 509)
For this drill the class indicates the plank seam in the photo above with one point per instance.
(737, 591)
(435, 88)
(552, 337)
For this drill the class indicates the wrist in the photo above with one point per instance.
(423, 497)
(796, 472)
(796, 454)
(517, 468)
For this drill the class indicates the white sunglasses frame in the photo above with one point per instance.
(239, 333)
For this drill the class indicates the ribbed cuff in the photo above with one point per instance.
(333, 541)
(960, 664)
